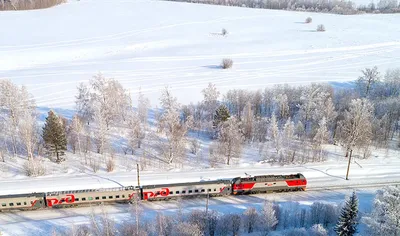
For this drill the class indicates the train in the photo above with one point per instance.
(128, 194)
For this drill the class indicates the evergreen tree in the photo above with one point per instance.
(221, 115)
(54, 136)
(347, 224)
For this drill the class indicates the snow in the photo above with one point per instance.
(147, 44)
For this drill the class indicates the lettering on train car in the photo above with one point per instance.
(164, 193)
(67, 200)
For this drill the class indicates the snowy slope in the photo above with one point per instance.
(151, 44)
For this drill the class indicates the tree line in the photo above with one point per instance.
(325, 6)
(288, 124)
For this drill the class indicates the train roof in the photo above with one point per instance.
(189, 183)
(22, 195)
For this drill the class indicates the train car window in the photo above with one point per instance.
(11, 204)
(203, 190)
(40, 202)
(77, 199)
(215, 189)
(183, 191)
(172, 192)
(104, 197)
(196, 190)
(177, 192)
(117, 196)
(97, 198)
(3, 204)
(18, 204)
(90, 198)
(229, 189)
(190, 191)
(110, 197)
(83, 199)
(209, 190)
(123, 196)
(24, 203)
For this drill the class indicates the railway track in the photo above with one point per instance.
(352, 186)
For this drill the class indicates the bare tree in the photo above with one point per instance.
(322, 136)
(28, 132)
(275, 134)
(15, 102)
(268, 217)
(75, 133)
(368, 79)
(230, 140)
(248, 122)
(210, 101)
(282, 106)
(356, 128)
(83, 103)
(173, 129)
(100, 134)
(251, 219)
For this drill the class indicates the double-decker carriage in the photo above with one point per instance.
(191, 189)
(91, 196)
(29, 201)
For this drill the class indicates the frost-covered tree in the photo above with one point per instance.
(282, 106)
(187, 229)
(16, 104)
(210, 101)
(347, 223)
(75, 134)
(321, 137)
(356, 128)
(54, 136)
(143, 108)
(110, 97)
(101, 133)
(230, 139)
(275, 134)
(385, 217)
(268, 217)
(250, 219)
(27, 131)
(318, 230)
(369, 77)
(83, 103)
(173, 129)
(248, 121)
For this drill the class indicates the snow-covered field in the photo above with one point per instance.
(150, 44)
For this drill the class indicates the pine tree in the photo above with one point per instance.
(221, 115)
(347, 224)
(54, 136)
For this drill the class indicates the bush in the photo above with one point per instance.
(308, 20)
(224, 32)
(227, 63)
(110, 165)
(34, 167)
(320, 28)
